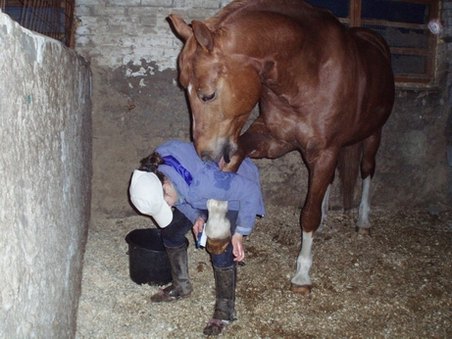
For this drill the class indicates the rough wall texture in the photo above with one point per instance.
(45, 166)
(117, 33)
(447, 38)
(137, 105)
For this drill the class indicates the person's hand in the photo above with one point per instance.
(237, 247)
(198, 226)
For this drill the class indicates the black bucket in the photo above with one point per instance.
(148, 260)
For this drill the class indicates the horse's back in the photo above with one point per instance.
(366, 36)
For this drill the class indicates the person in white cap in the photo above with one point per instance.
(147, 196)
(173, 186)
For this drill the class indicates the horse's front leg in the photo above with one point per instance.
(257, 142)
(321, 168)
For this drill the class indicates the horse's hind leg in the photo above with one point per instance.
(370, 148)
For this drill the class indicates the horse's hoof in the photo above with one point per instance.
(217, 246)
(301, 289)
(214, 327)
(363, 231)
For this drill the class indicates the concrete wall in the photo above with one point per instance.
(45, 189)
(137, 105)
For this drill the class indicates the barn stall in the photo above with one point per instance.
(394, 283)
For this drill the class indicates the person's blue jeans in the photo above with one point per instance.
(174, 236)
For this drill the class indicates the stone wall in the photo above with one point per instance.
(45, 190)
(138, 104)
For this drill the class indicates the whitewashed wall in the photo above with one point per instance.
(113, 32)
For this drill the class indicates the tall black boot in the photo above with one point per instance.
(225, 281)
(181, 285)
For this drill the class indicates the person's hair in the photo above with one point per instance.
(151, 164)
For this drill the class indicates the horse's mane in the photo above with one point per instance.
(297, 9)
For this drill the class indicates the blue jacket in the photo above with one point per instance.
(197, 181)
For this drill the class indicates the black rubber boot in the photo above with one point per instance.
(181, 285)
(225, 281)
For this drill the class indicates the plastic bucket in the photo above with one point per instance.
(148, 260)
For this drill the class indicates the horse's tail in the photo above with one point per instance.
(348, 167)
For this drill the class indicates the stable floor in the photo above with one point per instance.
(396, 283)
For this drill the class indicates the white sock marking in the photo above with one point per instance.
(364, 206)
(304, 261)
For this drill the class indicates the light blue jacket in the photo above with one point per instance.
(197, 181)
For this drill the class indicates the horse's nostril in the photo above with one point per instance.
(226, 158)
(226, 151)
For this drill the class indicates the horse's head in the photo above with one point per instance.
(222, 86)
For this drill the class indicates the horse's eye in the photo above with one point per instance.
(207, 98)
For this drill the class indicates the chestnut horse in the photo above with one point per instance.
(320, 86)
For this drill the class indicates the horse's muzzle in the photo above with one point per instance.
(221, 154)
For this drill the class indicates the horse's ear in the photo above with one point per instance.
(203, 34)
(183, 30)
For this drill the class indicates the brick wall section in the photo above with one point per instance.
(116, 32)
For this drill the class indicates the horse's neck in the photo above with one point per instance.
(266, 42)
(295, 21)
(298, 10)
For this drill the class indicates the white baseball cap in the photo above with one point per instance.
(146, 194)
